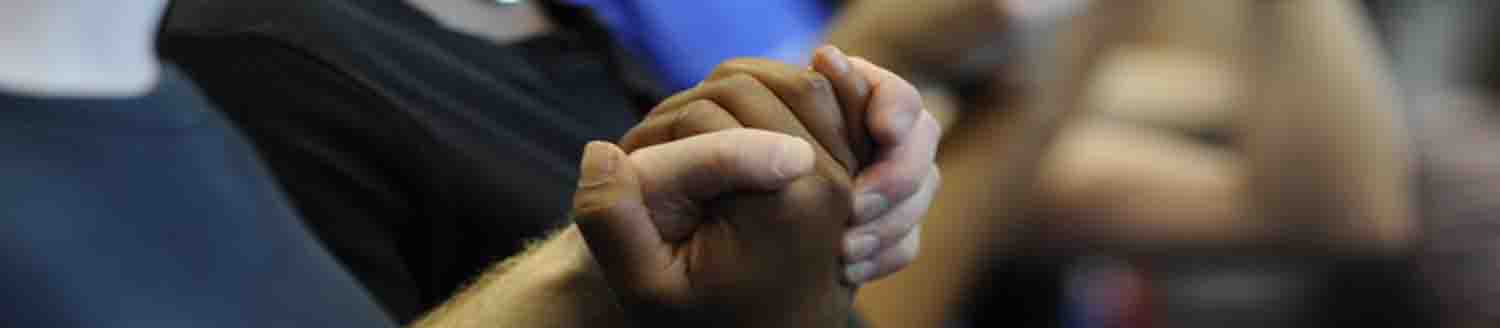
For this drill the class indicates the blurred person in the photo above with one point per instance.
(397, 128)
(1333, 183)
(1447, 55)
(1314, 176)
(1115, 115)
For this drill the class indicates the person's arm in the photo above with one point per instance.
(1321, 137)
(639, 277)
(899, 34)
(555, 283)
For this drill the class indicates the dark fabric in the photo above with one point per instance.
(152, 212)
(1457, 174)
(418, 154)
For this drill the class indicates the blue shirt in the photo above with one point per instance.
(683, 40)
(152, 212)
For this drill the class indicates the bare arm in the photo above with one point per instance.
(1324, 151)
(553, 284)
(899, 34)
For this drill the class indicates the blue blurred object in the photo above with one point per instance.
(683, 40)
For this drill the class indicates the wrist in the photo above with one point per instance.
(568, 262)
(552, 284)
(568, 275)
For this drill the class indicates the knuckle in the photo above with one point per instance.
(737, 82)
(811, 84)
(661, 108)
(724, 157)
(830, 185)
(893, 230)
(632, 140)
(645, 134)
(735, 66)
(900, 186)
(740, 64)
(683, 123)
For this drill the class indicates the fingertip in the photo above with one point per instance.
(926, 126)
(895, 104)
(859, 272)
(829, 59)
(859, 246)
(891, 124)
(762, 159)
(601, 161)
(900, 256)
(605, 180)
(868, 205)
(890, 186)
(793, 157)
(890, 260)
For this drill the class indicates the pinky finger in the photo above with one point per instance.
(887, 262)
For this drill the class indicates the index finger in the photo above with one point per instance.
(810, 97)
(853, 90)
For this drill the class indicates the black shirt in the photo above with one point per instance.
(418, 154)
(151, 212)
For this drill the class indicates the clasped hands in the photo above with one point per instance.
(762, 196)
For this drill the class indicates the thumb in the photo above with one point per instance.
(678, 177)
(612, 217)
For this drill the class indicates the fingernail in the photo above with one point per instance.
(860, 247)
(793, 156)
(838, 59)
(599, 163)
(869, 205)
(859, 272)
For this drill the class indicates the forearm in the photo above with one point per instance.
(1321, 135)
(900, 35)
(553, 284)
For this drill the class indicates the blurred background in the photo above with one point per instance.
(1183, 163)
(1106, 163)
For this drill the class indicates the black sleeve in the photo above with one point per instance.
(323, 137)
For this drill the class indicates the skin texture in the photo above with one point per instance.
(767, 231)
(892, 193)
(708, 222)
(1322, 170)
(898, 34)
(733, 249)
